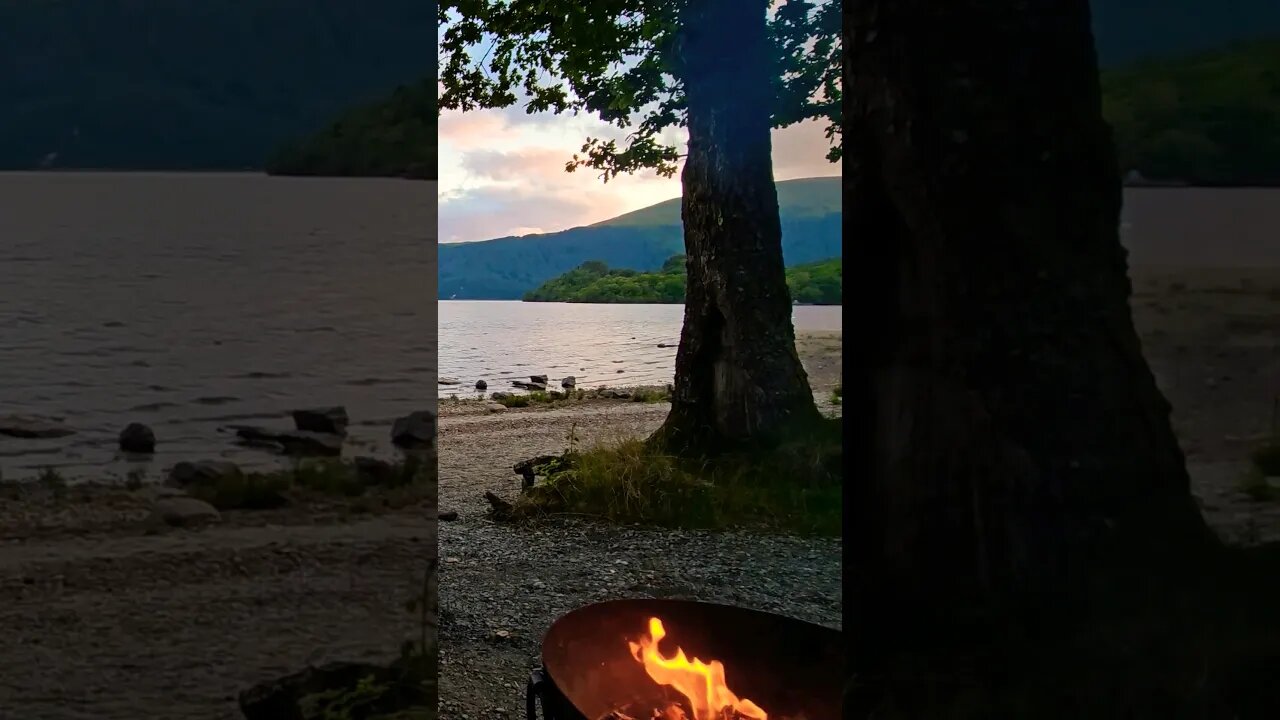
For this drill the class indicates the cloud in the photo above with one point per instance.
(502, 173)
(493, 212)
(800, 151)
(529, 166)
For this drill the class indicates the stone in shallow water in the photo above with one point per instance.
(323, 420)
(310, 443)
(137, 438)
(291, 442)
(31, 426)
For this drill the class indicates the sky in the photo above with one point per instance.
(502, 173)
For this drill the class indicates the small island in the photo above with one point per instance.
(817, 283)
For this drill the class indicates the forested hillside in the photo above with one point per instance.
(507, 268)
(1209, 119)
(194, 84)
(395, 137)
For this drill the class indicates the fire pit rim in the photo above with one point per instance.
(544, 686)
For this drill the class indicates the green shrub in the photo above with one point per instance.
(1266, 459)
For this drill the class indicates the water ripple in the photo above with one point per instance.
(225, 295)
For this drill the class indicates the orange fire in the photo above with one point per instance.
(702, 684)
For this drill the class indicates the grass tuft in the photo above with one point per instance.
(249, 491)
(796, 487)
(513, 401)
(322, 477)
(650, 395)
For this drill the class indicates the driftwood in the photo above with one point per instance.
(527, 469)
(502, 510)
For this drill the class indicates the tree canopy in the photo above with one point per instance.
(621, 60)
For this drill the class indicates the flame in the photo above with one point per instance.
(701, 683)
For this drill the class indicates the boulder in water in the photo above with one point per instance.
(137, 438)
(482, 385)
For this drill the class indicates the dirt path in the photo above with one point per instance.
(174, 625)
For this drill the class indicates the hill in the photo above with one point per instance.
(1128, 31)
(395, 137)
(507, 268)
(193, 84)
(818, 283)
(804, 198)
(1208, 119)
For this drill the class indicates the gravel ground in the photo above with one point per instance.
(501, 587)
(132, 623)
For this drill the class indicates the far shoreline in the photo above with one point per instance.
(1146, 184)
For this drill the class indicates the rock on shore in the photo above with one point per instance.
(414, 431)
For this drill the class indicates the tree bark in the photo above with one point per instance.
(738, 377)
(1019, 436)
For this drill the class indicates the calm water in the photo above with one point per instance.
(188, 301)
(191, 301)
(498, 341)
(501, 341)
(1201, 227)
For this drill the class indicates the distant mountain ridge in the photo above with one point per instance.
(222, 84)
(802, 198)
(194, 84)
(507, 268)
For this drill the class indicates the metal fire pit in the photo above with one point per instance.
(788, 667)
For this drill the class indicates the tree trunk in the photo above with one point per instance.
(738, 378)
(1019, 434)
